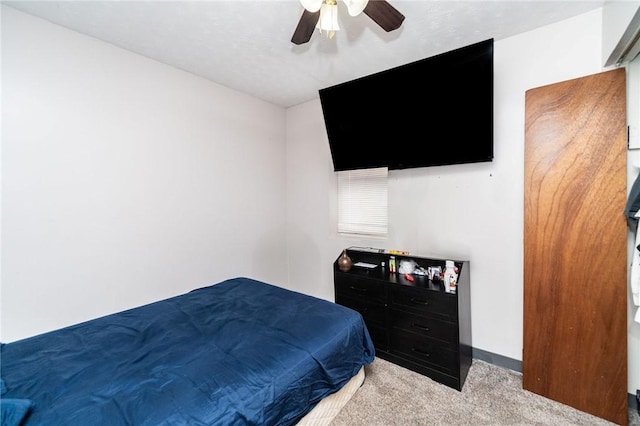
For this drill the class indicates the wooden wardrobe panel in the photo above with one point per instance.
(575, 255)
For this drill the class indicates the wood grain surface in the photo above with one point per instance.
(575, 258)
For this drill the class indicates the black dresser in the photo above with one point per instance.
(415, 324)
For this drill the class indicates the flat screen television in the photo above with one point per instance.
(432, 112)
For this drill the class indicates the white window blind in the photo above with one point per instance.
(362, 201)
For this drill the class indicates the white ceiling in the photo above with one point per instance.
(246, 45)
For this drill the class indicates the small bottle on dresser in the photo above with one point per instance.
(450, 276)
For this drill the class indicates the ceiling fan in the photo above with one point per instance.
(323, 14)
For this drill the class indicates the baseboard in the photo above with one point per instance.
(515, 365)
(495, 359)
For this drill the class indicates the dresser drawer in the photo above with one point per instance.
(424, 351)
(372, 312)
(379, 335)
(425, 302)
(360, 288)
(442, 331)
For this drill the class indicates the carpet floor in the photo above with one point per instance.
(392, 395)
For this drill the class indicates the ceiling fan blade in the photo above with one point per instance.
(384, 14)
(305, 27)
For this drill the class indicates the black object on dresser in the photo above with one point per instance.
(415, 324)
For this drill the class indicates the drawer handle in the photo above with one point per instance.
(361, 290)
(419, 302)
(421, 327)
(419, 352)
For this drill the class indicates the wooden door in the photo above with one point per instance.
(575, 256)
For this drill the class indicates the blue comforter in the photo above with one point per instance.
(240, 352)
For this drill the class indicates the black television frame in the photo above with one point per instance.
(432, 112)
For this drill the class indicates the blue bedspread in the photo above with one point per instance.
(240, 352)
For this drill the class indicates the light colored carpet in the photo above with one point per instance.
(392, 395)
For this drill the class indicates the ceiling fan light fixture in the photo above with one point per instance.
(355, 7)
(328, 21)
(323, 15)
(311, 5)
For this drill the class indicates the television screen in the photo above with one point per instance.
(435, 111)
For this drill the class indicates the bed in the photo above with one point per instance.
(240, 352)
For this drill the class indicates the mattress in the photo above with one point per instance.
(240, 352)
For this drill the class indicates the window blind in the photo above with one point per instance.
(362, 201)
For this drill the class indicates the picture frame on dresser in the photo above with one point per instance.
(413, 320)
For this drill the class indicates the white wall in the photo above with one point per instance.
(480, 215)
(125, 181)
